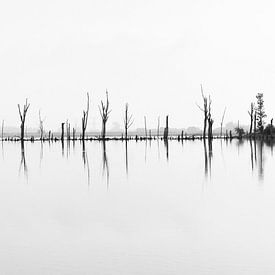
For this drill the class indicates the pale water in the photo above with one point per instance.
(157, 209)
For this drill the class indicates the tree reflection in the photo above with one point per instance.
(23, 163)
(62, 147)
(208, 155)
(166, 145)
(251, 154)
(105, 162)
(41, 152)
(126, 156)
(257, 156)
(261, 160)
(205, 158)
(86, 161)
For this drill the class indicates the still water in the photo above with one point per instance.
(148, 208)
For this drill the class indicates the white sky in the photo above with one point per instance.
(152, 54)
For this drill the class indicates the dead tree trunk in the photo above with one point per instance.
(251, 114)
(68, 130)
(166, 130)
(128, 121)
(145, 127)
(210, 120)
(104, 112)
(2, 134)
(62, 131)
(85, 118)
(204, 109)
(41, 126)
(222, 121)
(255, 122)
(158, 127)
(23, 114)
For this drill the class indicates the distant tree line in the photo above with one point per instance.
(258, 126)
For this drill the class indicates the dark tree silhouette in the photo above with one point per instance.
(239, 131)
(166, 129)
(2, 132)
(85, 118)
(104, 112)
(255, 121)
(145, 127)
(260, 112)
(23, 114)
(128, 120)
(158, 127)
(62, 131)
(68, 130)
(210, 120)
(251, 114)
(222, 120)
(41, 126)
(204, 109)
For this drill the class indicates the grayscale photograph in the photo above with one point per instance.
(136, 137)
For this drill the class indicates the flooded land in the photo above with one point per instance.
(152, 207)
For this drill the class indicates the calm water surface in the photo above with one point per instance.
(148, 208)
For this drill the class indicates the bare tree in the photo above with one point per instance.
(41, 126)
(2, 134)
(85, 118)
(158, 127)
(68, 130)
(222, 120)
(204, 109)
(145, 126)
(104, 112)
(166, 130)
(251, 114)
(128, 120)
(23, 114)
(255, 121)
(74, 131)
(210, 120)
(62, 131)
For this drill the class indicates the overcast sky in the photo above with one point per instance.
(152, 54)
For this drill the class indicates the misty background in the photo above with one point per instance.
(152, 54)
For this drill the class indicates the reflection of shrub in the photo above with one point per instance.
(269, 129)
(239, 131)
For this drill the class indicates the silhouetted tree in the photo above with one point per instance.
(166, 129)
(239, 131)
(255, 121)
(204, 109)
(128, 120)
(251, 114)
(68, 130)
(104, 112)
(23, 114)
(41, 126)
(85, 118)
(2, 132)
(222, 121)
(62, 131)
(210, 120)
(260, 112)
(269, 129)
(158, 127)
(145, 127)
(74, 132)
